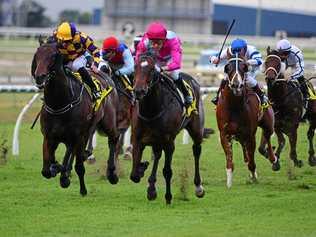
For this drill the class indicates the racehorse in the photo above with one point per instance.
(238, 115)
(68, 117)
(287, 102)
(158, 116)
(124, 115)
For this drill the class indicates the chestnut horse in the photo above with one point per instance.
(238, 115)
(68, 117)
(287, 103)
(157, 118)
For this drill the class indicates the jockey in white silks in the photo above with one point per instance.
(254, 60)
(293, 58)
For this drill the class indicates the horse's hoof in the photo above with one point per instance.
(276, 166)
(46, 174)
(168, 199)
(127, 156)
(298, 163)
(64, 182)
(91, 159)
(113, 179)
(83, 192)
(151, 194)
(263, 152)
(312, 161)
(55, 169)
(199, 191)
(135, 178)
(142, 168)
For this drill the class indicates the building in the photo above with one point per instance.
(180, 15)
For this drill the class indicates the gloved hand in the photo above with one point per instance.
(89, 59)
(158, 68)
(214, 60)
(117, 73)
(252, 62)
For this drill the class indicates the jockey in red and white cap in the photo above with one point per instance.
(117, 57)
(167, 47)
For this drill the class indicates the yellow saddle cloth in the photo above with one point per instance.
(104, 92)
(311, 91)
(192, 107)
(126, 82)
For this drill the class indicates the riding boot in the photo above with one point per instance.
(304, 89)
(187, 97)
(222, 85)
(261, 94)
(88, 80)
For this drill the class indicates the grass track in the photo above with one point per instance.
(33, 206)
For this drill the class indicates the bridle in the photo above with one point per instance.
(237, 77)
(277, 72)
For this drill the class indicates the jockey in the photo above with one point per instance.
(136, 41)
(116, 57)
(254, 60)
(77, 49)
(168, 48)
(293, 58)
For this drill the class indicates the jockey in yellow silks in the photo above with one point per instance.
(79, 52)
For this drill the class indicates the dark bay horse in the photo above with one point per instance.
(68, 117)
(287, 102)
(157, 118)
(238, 115)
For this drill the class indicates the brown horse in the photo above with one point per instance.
(124, 115)
(238, 115)
(157, 118)
(68, 117)
(287, 102)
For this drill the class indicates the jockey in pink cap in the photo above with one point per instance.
(167, 47)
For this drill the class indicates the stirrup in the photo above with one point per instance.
(214, 100)
(96, 95)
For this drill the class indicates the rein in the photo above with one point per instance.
(65, 108)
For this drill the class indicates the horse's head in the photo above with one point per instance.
(273, 67)
(145, 74)
(43, 65)
(236, 69)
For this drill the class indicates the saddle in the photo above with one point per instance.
(187, 111)
(104, 91)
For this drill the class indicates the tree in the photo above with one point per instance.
(69, 15)
(85, 18)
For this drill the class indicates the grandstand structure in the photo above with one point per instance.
(180, 15)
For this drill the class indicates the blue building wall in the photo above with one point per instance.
(271, 21)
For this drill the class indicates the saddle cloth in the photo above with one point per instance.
(104, 91)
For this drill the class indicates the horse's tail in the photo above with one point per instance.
(207, 132)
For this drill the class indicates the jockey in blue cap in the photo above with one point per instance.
(254, 60)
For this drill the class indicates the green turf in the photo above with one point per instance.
(30, 205)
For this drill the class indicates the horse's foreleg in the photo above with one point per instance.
(311, 151)
(281, 143)
(111, 172)
(250, 147)
(151, 190)
(138, 169)
(80, 170)
(266, 135)
(199, 190)
(67, 166)
(293, 154)
(262, 147)
(167, 171)
(227, 146)
(50, 165)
